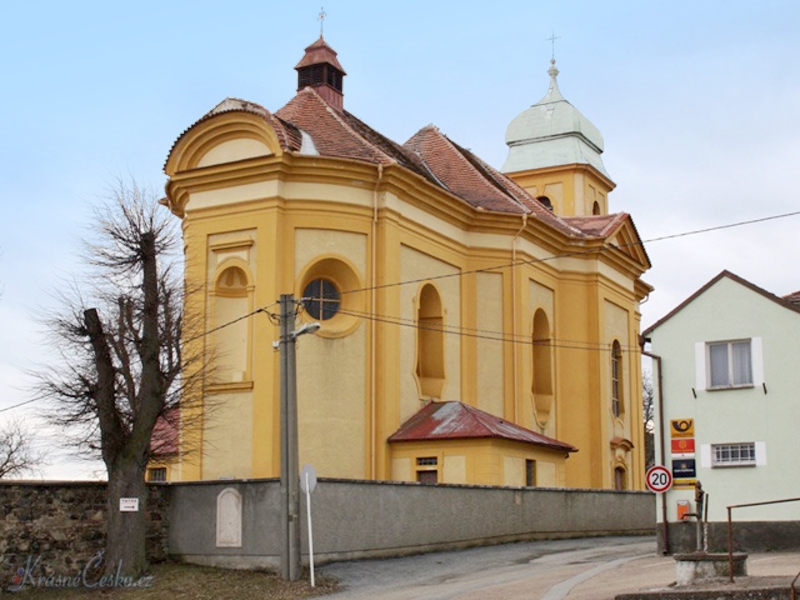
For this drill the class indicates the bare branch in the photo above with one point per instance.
(18, 455)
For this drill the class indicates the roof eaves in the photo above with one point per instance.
(733, 277)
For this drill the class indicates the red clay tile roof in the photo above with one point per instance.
(456, 420)
(598, 225)
(317, 53)
(428, 153)
(793, 298)
(164, 438)
(329, 128)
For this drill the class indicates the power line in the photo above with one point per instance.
(531, 261)
(2, 410)
(512, 265)
(719, 227)
(496, 336)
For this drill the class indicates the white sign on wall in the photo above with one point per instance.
(128, 505)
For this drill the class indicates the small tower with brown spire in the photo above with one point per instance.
(321, 70)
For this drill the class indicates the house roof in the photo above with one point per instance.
(456, 420)
(164, 437)
(793, 298)
(791, 302)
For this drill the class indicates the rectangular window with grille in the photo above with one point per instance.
(157, 474)
(733, 455)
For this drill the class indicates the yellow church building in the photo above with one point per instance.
(477, 326)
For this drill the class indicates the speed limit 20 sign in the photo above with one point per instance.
(658, 479)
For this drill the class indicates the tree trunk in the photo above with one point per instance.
(126, 534)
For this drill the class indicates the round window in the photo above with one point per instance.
(321, 299)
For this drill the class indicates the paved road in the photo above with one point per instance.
(547, 570)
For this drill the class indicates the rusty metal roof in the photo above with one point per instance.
(455, 420)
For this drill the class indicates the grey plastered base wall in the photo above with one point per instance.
(748, 536)
(359, 519)
(193, 524)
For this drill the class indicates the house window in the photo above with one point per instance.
(542, 387)
(617, 403)
(321, 299)
(733, 455)
(530, 473)
(730, 364)
(427, 469)
(157, 474)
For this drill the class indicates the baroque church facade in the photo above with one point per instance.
(477, 326)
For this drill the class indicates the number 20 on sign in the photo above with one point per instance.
(658, 479)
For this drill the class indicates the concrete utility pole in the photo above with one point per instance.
(291, 566)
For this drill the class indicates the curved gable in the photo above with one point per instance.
(223, 138)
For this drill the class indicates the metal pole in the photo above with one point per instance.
(730, 546)
(662, 446)
(290, 497)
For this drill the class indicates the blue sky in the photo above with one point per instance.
(697, 103)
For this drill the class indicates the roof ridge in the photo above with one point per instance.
(337, 115)
(470, 164)
(488, 172)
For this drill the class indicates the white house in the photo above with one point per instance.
(728, 411)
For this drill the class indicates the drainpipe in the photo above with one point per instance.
(514, 313)
(373, 326)
(657, 360)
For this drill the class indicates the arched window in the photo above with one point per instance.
(542, 384)
(545, 201)
(596, 208)
(430, 343)
(617, 399)
(231, 342)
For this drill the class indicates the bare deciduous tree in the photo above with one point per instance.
(648, 414)
(18, 455)
(123, 365)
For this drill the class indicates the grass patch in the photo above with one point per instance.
(171, 581)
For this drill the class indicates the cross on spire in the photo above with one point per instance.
(552, 39)
(321, 18)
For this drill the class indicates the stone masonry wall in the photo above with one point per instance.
(60, 526)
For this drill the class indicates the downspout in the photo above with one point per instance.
(515, 366)
(373, 327)
(657, 360)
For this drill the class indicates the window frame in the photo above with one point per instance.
(327, 303)
(750, 461)
(157, 474)
(731, 376)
